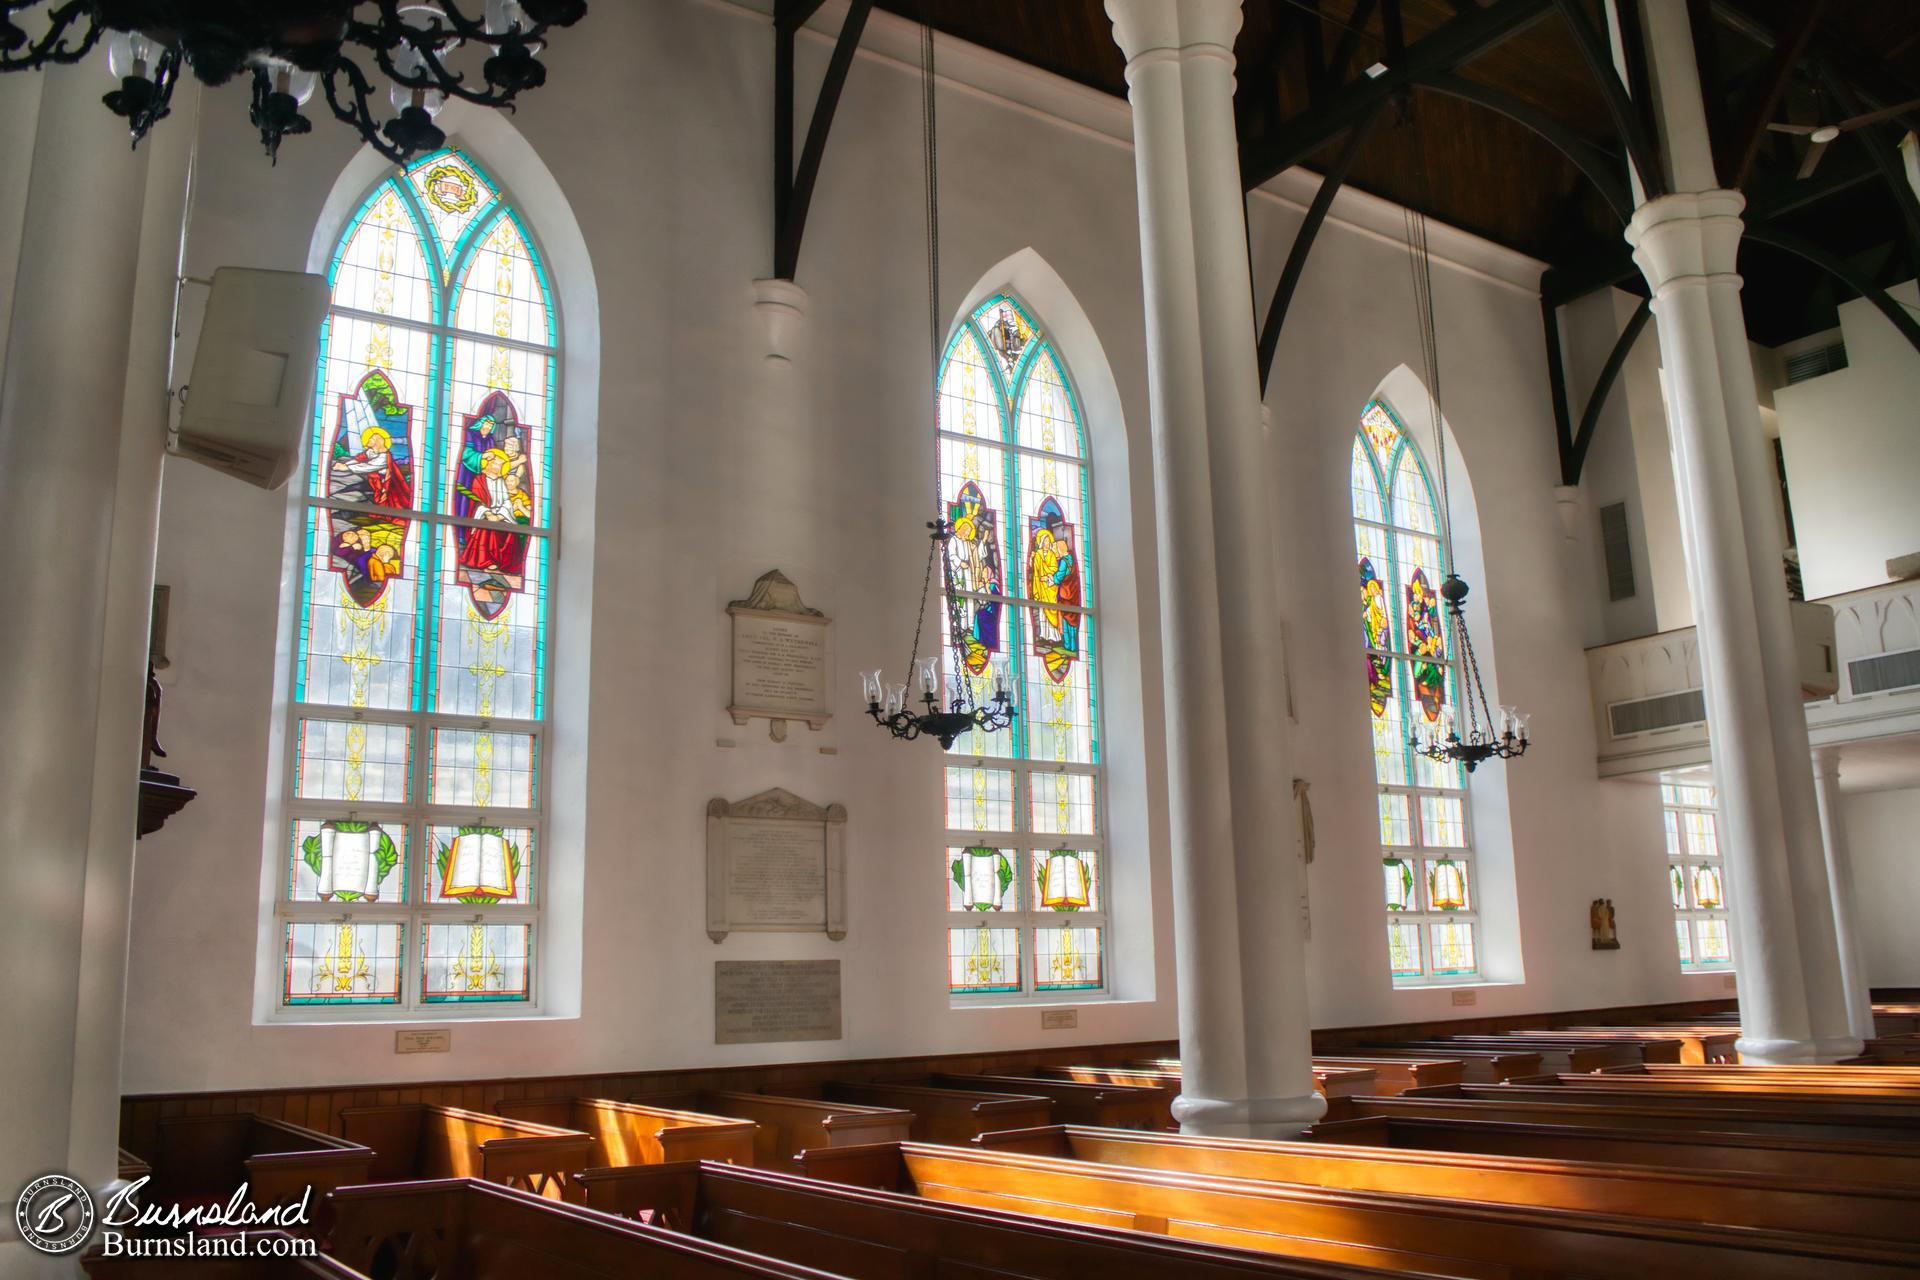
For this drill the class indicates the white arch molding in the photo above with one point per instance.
(532, 190)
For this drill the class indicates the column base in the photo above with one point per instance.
(1247, 1117)
(1834, 1048)
(1777, 1053)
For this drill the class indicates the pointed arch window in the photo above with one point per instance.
(1426, 829)
(1023, 862)
(418, 726)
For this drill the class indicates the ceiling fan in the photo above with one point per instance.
(1821, 136)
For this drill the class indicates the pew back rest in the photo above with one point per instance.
(879, 1235)
(1747, 1200)
(424, 1140)
(212, 1155)
(1118, 1106)
(462, 1229)
(944, 1115)
(636, 1133)
(788, 1126)
(1366, 1226)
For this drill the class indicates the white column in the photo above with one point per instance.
(1246, 1054)
(82, 430)
(1833, 832)
(1686, 244)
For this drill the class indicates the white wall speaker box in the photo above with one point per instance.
(251, 395)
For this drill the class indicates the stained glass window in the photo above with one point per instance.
(1426, 832)
(422, 664)
(1696, 876)
(1013, 463)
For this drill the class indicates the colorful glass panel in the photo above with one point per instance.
(423, 595)
(982, 959)
(1706, 888)
(342, 962)
(474, 962)
(479, 864)
(1453, 953)
(347, 860)
(1066, 959)
(1677, 887)
(1424, 826)
(1712, 935)
(1447, 885)
(1685, 936)
(1399, 884)
(1066, 880)
(1014, 490)
(1403, 949)
(981, 877)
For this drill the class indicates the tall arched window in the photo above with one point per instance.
(1025, 889)
(1426, 832)
(418, 719)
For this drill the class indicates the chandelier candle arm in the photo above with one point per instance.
(290, 46)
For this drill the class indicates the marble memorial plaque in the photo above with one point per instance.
(780, 657)
(776, 863)
(771, 1001)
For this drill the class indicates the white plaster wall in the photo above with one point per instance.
(1852, 466)
(655, 127)
(1571, 838)
(1883, 834)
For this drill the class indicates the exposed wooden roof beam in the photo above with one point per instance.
(1453, 44)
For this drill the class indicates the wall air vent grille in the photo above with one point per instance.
(1811, 364)
(1649, 715)
(1619, 551)
(1884, 672)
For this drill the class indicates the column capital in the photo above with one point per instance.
(1688, 237)
(1155, 30)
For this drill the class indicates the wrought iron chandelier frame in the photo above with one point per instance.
(282, 44)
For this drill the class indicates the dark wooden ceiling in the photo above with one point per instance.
(1481, 171)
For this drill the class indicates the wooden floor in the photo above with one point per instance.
(1595, 1143)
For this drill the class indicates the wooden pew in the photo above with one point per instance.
(268, 1257)
(1588, 1057)
(423, 1140)
(881, 1235)
(630, 1133)
(1891, 1081)
(1330, 1081)
(939, 1115)
(1394, 1125)
(1556, 1105)
(1744, 1200)
(1390, 1075)
(1478, 1066)
(1698, 1044)
(1109, 1106)
(1451, 1237)
(465, 1229)
(1893, 1048)
(1891, 1018)
(204, 1159)
(1894, 1113)
(1617, 1050)
(788, 1126)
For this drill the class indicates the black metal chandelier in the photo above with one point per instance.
(887, 703)
(970, 706)
(293, 47)
(1475, 737)
(1441, 740)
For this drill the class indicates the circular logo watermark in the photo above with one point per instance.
(54, 1214)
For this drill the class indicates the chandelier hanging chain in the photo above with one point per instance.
(887, 703)
(291, 49)
(1482, 736)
